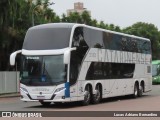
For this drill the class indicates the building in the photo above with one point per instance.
(78, 7)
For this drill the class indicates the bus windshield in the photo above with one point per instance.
(155, 70)
(43, 70)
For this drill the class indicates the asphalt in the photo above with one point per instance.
(9, 95)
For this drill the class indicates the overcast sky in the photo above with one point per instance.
(118, 12)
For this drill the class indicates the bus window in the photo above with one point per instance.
(77, 55)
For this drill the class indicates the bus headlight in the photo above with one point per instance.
(59, 89)
(24, 90)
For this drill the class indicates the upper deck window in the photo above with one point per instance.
(47, 38)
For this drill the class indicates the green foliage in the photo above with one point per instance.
(15, 19)
(147, 31)
(75, 17)
(16, 16)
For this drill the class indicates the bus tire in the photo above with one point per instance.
(140, 92)
(57, 103)
(45, 103)
(135, 94)
(97, 96)
(87, 96)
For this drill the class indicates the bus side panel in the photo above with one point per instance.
(139, 71)
(148, 81)
(121, 87)
(113, 88)
(106, 89)
(129, 86)
(74, 92)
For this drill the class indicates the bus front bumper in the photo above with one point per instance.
(44, 98)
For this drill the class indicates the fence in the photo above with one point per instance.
(9, 82)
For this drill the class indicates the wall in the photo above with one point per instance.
(9, 82)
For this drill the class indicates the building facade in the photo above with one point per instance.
(79, 8)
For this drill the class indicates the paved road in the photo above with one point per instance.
(149, 102)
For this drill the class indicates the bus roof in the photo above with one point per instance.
(71, 25)
(155, 61)
(54, 25)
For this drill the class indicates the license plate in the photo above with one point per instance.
(40, 97)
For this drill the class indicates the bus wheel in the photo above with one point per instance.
(57, 103)
(140, 92)
(135, 94)
(97, 96)
(87, 96)
(45, 103)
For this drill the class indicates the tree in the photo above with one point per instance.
(64, 18)
(102, 25)
(86, 18)
(149, 31)
(74, 18)
(15, 19)
(94, 22)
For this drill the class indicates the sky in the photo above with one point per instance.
(123, 13)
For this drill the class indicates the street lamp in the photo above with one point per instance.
(37, 7)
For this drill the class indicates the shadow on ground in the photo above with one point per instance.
(78, 104)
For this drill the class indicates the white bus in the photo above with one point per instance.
(64, 62)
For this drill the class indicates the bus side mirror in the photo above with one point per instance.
(67, 55)
(13, 56)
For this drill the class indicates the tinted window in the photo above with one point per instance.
(43, 70)
(102, 70)
(94, 38)
(125, 43)
(155, 70)
(107, 40)
(77, 55)
(47, 38)
(74, 67)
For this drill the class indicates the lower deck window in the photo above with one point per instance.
(104, 70)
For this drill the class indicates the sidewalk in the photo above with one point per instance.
(9, 95)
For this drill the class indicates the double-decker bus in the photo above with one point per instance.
(64, 62)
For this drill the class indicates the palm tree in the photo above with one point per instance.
(49, 15)
(102, 25)
(64, 18)
(86, 18)
(75, 17)
(94, 23)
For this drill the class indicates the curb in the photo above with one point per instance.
(9, 95)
